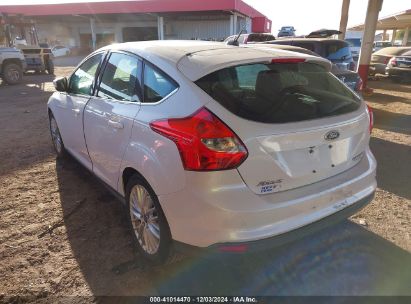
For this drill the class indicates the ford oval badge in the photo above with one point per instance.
(331, 135)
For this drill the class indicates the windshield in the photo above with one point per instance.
(279, 92)
(337, 50)
(354, 42)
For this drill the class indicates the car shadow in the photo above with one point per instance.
(344, 259)
(394, 166)
(394, 122)
(386, 84)
(23, 107)
(383, 98)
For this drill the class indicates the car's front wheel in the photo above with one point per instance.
(150, 228)
(12, 73)
(56, 137)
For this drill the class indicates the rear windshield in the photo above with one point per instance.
(354, 41)
(279, 92)
(336, 50)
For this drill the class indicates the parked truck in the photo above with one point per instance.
(19, 49)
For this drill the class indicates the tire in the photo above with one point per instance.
(151, 233)
(12, 73)
(50, 66)
(56, 138)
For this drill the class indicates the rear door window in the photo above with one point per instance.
(279, 92)
(157, 85)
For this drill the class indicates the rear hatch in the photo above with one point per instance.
(299, 123)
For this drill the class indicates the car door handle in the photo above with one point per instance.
(76, 111)
(115, 124)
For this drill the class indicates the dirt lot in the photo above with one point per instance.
(62, 233)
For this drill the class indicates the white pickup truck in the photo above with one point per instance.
(12, 65)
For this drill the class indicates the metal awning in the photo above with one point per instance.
(396, 21)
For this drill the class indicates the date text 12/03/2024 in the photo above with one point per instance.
(203, 299)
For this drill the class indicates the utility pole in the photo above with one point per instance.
(93, 33)
(344, 18)
(374, 8)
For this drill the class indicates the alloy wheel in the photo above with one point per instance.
(144, 218)
(55, 135)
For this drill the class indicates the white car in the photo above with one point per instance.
(60, 50)
(216, 146)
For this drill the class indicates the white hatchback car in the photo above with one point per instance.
(216, 146)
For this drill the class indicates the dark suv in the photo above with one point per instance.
(337, 51)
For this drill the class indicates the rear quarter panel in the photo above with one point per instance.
(154, 156)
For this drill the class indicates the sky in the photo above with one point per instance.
(305, 15)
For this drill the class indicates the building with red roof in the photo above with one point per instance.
(98, 23)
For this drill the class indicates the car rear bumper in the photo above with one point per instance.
(278, 240)
(398, 72)
(217, 207)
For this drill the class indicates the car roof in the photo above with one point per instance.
(392, 50)
(196, 59)
(309, 39)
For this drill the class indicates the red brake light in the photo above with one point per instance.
(387, 59)
(351, 66)
(205, 143)
(359, 85)
(393, 61)
(287, 60)
(371, 116)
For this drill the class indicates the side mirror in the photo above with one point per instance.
(61, 84)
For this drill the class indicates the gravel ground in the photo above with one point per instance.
(62, 233)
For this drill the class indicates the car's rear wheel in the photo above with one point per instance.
(149, 225)
(56, 137)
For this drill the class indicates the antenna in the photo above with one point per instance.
(235, 41)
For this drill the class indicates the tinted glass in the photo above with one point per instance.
(337, 50)
(354, 41)
(306, 45)
(157, 85)
(279, 93)
(81, 82)
(121, 78)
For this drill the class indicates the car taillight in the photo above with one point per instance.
(358, 86)
(351, 66)
(371, 117)
(386, 60)
(393, 62)
(205, 143)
